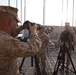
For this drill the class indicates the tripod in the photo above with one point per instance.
(60, 63)
(36, 64)
(35, 58)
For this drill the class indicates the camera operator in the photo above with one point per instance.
(11, 48)
(67, 36)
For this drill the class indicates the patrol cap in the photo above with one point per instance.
(67, 22)
(10, 10)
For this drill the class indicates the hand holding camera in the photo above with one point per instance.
(33, 28)
(28, 25)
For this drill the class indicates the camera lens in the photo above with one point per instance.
(26, 25)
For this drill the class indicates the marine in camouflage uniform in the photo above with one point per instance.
(45, 40)
(69, 38)
(11, 48)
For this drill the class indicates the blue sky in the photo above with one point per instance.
(54, 14)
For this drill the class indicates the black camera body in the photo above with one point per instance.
(26, 25)
(66, 36)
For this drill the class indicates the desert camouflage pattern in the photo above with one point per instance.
(69, 45)
(73, 35)
(45, 40)
(10, 10)
(11, 49)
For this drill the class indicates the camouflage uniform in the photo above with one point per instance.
(70, 47)
(45, 40)
(11, 48)
(72, 33)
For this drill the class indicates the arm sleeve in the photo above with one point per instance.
(20, 49)
(45, 42)
(59, 40)
(74, 37)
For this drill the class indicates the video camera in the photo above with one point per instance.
(26, 25)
